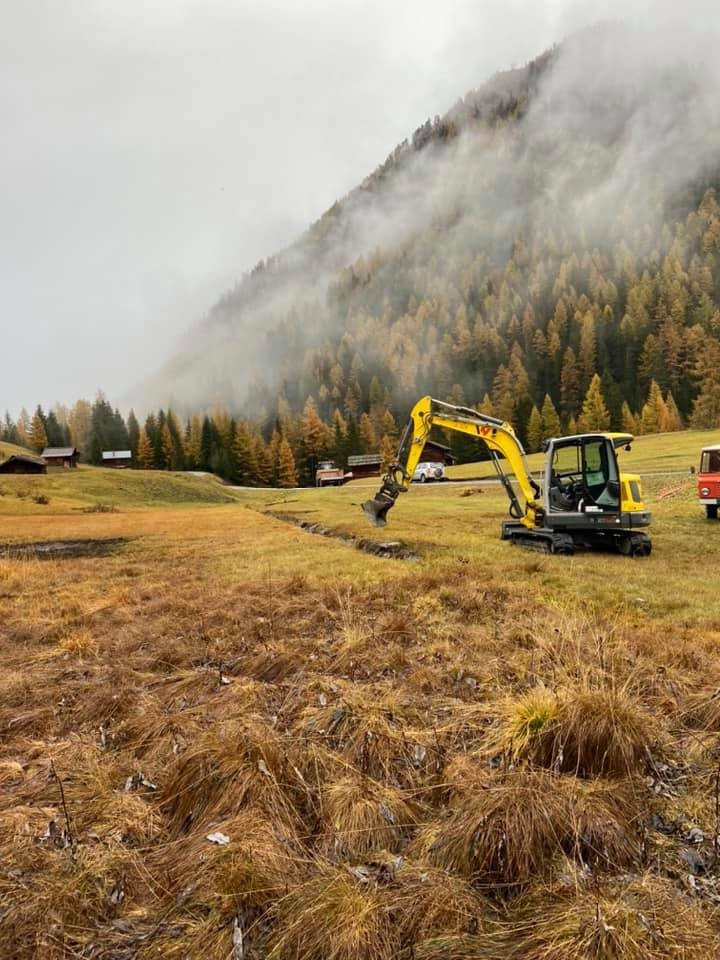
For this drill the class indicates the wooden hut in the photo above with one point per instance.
(19, 463)
(64, 457)
(365, 465)
(434, 452)
(117, 458)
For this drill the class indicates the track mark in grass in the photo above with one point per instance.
(379, 548)
(60, 549)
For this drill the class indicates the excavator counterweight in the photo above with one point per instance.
(584, 500)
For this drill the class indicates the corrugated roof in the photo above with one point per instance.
(363, 459)
(117, 454)
(59, 451)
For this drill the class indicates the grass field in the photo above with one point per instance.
(68, 491)
(11, 449)
(228, 738)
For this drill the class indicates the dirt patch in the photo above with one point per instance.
(54, 549)
(379, 548)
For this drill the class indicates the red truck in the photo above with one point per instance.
(709, 480)
(328, 475)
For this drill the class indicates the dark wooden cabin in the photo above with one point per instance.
(18, 463)
(365, 465)
(65, 457)
(434, 452)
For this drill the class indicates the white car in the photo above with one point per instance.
(427, 471)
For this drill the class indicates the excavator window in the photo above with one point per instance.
(584, 477)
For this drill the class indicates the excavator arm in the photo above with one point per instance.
(498, 436)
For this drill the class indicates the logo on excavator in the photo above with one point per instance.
(485, 430)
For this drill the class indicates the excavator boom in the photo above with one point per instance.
(498, 436)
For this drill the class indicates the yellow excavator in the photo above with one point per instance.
(583, 501)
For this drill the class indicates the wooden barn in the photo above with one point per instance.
(365, 465)
(18, 463)
(117, 458)
(64, 457)
(434, 452)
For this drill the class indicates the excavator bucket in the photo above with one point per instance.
(376, 510)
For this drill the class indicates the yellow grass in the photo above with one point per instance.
(469, 754)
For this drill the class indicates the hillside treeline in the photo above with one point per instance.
(642, 316)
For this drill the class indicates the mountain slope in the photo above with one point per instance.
(554, 224)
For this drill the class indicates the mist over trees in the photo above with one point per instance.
(548, 251)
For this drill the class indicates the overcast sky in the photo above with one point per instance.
(154, 150)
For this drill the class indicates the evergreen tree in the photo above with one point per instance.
(673, 420)
(56, 436)
(594, 415)
(9, 431)
(207, 442)
(244, 456)
(145, 452)
(167, 447)
(387, 451)
(286, 473)
(338, 448)
(367, 435)
(653, 415)
(264, 462)
(629, 422)
(37, 439)
(551, 426)
(569, 384)
(133, 431)
(534, 430)
(314, 432)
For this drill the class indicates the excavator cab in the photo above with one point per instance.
(586, 498)
(584, 475)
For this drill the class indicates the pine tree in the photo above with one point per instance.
(673, 420)
(23, 428)
(37, 438)
(367, 435)
(534, 430)
(387, 451)
(245, 471)
(628, 420)
(569, 383)
(486, 406)
(145, 452)
(654, 412)
(133, 429)
(551, 426)
(314, 432)
(264, 462)
(286, 473)
(167, 447)
(192, 442)
(594, 415)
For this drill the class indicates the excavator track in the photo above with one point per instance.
(542, 541)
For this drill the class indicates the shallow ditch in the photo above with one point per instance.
(61, 549)
(378, 548)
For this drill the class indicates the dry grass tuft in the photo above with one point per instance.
(79, 641)
(702, 709)
(334, 916)
(589, 732)
(510, 831)
(644, 919)
(229, 768)
(382, 739)
(364, 816)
